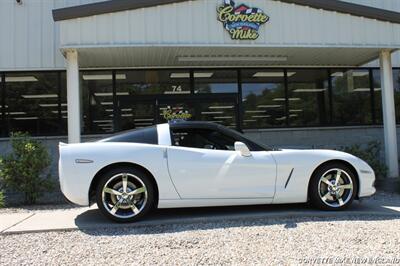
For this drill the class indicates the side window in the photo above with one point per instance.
(144, 135)
(202, 139)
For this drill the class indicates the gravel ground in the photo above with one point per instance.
(257, 242)
(291, 241)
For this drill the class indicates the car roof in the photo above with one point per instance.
(194, 124)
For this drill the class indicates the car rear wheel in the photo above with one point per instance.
(333, 187)
(125, 194)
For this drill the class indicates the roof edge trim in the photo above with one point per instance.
(122, 5)
(350, 8)
(104, 7)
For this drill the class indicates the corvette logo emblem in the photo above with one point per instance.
(242, 22)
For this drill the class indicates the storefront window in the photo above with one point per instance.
(63, 104)
(136, 114)
(215, 81)
(134, 82)
(3, 129)
(396, 83)
(378, 94)
(32, 102)
(308, 97)
(264, 99)
(97, 101)
(351, 97)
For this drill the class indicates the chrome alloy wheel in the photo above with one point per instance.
(335, 188)
(124, 195)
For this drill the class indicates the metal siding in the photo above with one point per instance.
(30, 38)
(33, 39)
(301, 27)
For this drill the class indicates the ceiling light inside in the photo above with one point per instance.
(261, 116)
(143, 119)
(255, 112)
(309, 90)
(366, 89)
(272, 74)
(212, 113)
(102, 121)
(103, 77)
(51, 104)
(223, 117)
(39, 96)
(269, 106)
(221, 107)
(21, 79)
(17, 113)
(283, 99)
(26, 118)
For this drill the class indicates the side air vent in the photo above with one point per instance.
(290, 176)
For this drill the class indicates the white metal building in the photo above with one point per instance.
(293, 68)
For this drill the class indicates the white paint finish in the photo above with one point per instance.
(304, 162)
(389, 115)
(75, 179)
(221, 174)
(298, 26)
(164, 137)
(73, 97)
(237, 176)
(185, 203)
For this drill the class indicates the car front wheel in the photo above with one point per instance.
(125, 194)
(333, 187)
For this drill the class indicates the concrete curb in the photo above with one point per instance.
(96, 224)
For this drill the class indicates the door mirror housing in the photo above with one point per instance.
(242, 148)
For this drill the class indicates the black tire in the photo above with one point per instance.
(317, 190)
(135, 176)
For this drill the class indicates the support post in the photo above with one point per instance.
(389, 115)
(73, 97)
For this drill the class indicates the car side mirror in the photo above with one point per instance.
(242, 148)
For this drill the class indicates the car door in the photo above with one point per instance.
(204, 167)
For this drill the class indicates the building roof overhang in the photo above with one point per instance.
(122, 5)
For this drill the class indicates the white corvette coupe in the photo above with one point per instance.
(194, 164)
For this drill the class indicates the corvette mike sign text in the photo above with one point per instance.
(242, 22)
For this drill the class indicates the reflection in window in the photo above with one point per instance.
(3, 129)
(135, 82)
(351, 97)
(215, 81)
(136, 114)
(378, 94)
(202, 139)
(97, 99)
(63, 104)
(308, 97)
(32, 102)
(396, 77)
(221, 112)
(169, 111)
(263, 98)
